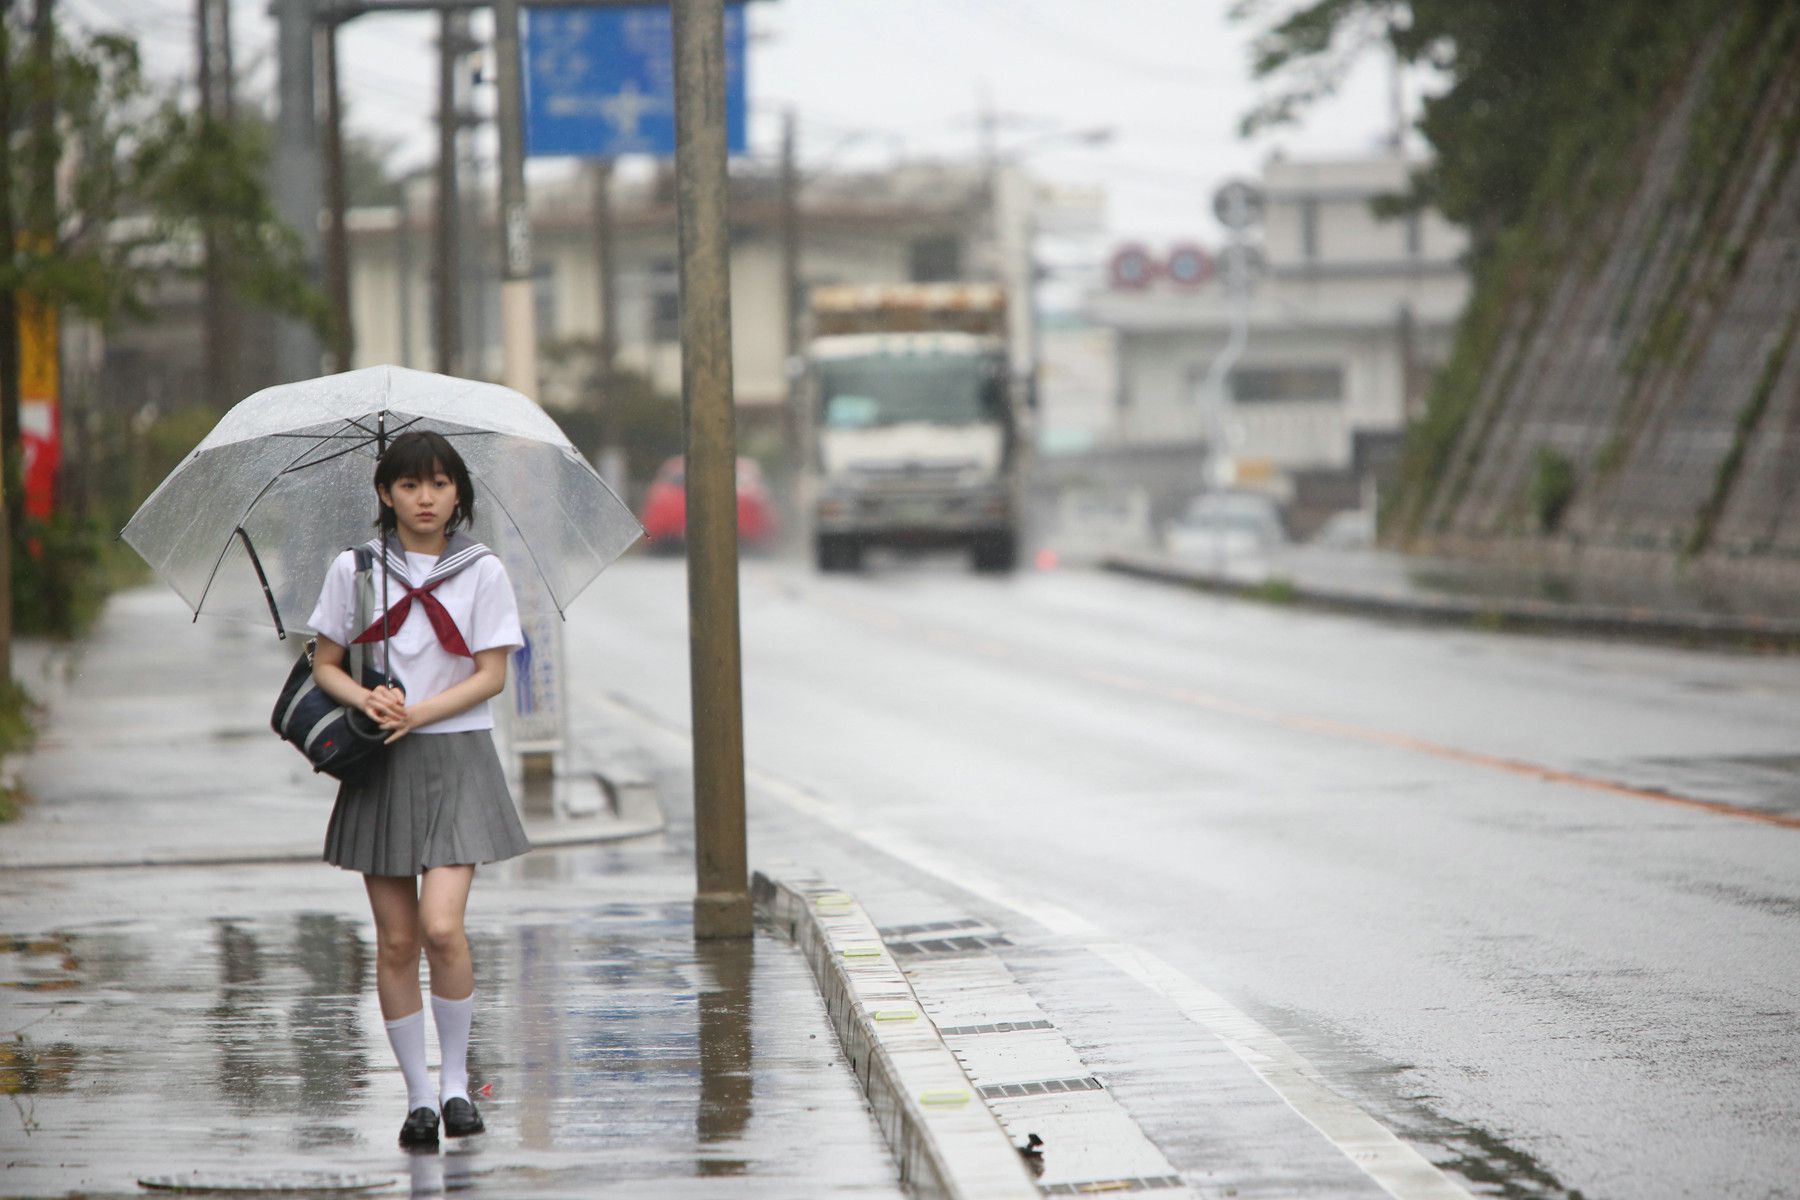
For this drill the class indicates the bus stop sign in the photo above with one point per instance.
(600, 82)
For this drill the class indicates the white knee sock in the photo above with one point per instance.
(407, 1037)
(453, 1018)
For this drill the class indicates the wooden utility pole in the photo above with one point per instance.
(446, 269)
(337, 202)
(722, 900)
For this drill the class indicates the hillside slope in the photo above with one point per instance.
(1625, 399)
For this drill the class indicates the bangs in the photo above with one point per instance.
(415, 457)
(424, 454)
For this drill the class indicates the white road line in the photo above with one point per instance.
(1396, 1167)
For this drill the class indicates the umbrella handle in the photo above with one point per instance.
(268, 595)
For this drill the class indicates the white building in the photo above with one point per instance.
(1346, 322)
(923, 223)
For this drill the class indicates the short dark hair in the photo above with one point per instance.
(420, 454)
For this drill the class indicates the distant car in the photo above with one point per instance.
(665, 507)
(1226, 528)
(1352, 530)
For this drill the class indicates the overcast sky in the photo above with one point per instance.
(872, 79)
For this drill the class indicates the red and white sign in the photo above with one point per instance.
(1133, 268)
(40, 422)
(1188, 266)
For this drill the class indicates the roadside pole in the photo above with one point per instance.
(519, 368)
(722, 901)
(297, 186)
(518, 329)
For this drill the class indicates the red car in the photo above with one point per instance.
(665, 506)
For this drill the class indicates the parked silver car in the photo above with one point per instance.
(1226, 529)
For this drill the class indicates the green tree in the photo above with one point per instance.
(109, 185)
(1516, 74)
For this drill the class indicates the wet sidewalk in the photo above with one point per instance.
(215, 1026)
(159, 751)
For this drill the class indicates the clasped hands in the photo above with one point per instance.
(386, 706)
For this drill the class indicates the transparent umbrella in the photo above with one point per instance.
(247, 524)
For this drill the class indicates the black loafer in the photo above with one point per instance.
(461, 1118)
(421, 1128)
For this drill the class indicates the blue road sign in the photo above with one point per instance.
(600, 82)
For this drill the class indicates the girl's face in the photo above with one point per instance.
(422, 506)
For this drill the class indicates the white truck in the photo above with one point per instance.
(914, 423)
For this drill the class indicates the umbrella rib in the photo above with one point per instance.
(319, 462)
(526, 542)
(242, 517)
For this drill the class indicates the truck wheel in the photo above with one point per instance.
(996, 553)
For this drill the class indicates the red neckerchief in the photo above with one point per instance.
(449, 637)
(461, 552)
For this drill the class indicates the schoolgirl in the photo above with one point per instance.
(435, 803)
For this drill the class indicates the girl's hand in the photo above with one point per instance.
(404, 724)
(386, 706)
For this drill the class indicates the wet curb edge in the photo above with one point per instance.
(1510, 615)
(947, 1142)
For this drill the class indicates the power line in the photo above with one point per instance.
(1028, 24)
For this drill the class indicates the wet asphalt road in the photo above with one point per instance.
(1543, 893)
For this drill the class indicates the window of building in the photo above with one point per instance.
(1415, 235)
(935, 260)
(1309, 229)
(1264, 385)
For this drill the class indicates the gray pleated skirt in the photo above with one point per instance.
(430, 800)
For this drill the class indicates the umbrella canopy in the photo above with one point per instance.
(248, 523)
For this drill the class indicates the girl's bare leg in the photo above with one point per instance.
(443, 898)
(394, 900)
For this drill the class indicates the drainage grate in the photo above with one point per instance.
(1092, 1187)
(995, 1027)
(1041, 1087)
(950, 945)
(931, 927)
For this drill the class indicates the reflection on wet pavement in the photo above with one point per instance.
(217, 1025)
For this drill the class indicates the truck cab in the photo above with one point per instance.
(915, 439)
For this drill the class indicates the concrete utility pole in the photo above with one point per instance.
(607, 269)
(447, 302)
(219, 342)
(722, 902)
(518, 309)
(297, 171)
(790, 232)
(343, 331)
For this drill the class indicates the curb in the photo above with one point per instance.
(1515, 615)
(636, 814)
(947, 1142)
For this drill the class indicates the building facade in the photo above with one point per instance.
(1346, 317)
(912, 224)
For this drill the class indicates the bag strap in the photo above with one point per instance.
(356, 655)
